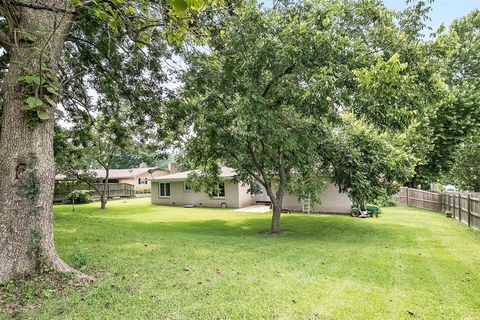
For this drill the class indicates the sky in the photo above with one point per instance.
(443, 11)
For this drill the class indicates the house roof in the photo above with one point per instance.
(225, 172)
(118, 173)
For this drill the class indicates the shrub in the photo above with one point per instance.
(80, 196)
(384, 201)
(139, 191)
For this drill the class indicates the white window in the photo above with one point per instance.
(164, 190)
(186, 187)
(142, 181)
(221, 191)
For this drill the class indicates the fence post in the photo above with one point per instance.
(469, 210)
(447, 202)
(408, 199)
(459, 208)
(451, 209)
(442, 202)
(452, 206)
(455, 206)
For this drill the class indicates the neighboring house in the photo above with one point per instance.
(138, 177)
(172, 190)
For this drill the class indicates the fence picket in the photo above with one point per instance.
(469, 210)
(114, 190)
(459, 209)
(458, 204)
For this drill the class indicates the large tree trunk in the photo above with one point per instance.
(277, 211)
(277, 202)
(26, 155)
(103, 201)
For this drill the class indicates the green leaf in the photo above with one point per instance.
(34, 79)
(441, 28)
(50, 101)
(33, 102)
(42, 114)
(52, 90)
(131, 10)
(326, 22)
(179, 6)
(31, 79)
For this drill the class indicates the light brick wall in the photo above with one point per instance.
(179, 196)
(331, 201)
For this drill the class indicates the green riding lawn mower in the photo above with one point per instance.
(367, 211)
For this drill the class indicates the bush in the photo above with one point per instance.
(384, 201)
(139, 191)
(80, 196)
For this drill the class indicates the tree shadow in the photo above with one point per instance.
(338, 247)
(321, 228)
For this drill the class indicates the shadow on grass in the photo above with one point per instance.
(319, 228)
(368, 251)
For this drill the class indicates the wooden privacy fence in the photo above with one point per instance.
(464, 207)
(115, 190)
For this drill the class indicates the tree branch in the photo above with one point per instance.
(267, 185)
(289, 70)
(283, 175)
(250, 172)
(85, 180)
(37, 6)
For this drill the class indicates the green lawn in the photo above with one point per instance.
(157, 262)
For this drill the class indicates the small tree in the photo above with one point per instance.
(92, 142)
(79, 196)
(280, 93)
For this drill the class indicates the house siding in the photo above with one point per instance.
(245, 199)
(331, 201)
(237, 196)
(178, 196)
(146, 175)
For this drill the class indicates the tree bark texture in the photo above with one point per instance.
(277, 211)
(277, 203)
(27, 167)
(277, 200)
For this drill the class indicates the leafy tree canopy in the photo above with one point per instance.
(466, 169)
(298, 95)
(458, 53)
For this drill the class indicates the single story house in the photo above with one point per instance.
(138, 177)
(171, 189)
